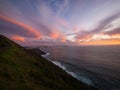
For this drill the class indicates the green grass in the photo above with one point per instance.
(22, 69)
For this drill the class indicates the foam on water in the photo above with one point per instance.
(81, 78)
(45, 55)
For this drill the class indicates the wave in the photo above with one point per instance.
(78, 77)
(81, 78)
(45, 55)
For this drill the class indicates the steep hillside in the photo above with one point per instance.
(22, 69)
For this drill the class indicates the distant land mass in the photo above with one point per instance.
(25, 69)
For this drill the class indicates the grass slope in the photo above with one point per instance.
(21, 69)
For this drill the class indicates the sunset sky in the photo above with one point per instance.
(61, 22)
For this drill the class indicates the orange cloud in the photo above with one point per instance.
(54, 35)
(117, 36)
(58, 35)
(101, 42)
(99, 39)
(18, 38)
(28, 28)
(63, 38)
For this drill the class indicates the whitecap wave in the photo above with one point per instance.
(81, 78)
(85, 80)
(59, 64)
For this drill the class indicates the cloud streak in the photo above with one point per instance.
(18, 38)
(26, 27)
(100, 29)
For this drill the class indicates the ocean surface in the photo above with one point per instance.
(94, 65)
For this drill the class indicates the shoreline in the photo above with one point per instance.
(83, 80)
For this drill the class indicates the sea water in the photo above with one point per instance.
(94, 65)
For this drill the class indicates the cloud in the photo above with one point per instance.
(100, 28)
(54, 35)
(17, 38)
(53, 17)
(38, 17)
(106, 21)
(113, 32)
(101, 42)
(58, 36)
(13, 27)
(18, 27)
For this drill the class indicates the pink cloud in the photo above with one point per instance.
(18, 38)
(25, 26)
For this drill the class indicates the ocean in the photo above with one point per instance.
(98, 66)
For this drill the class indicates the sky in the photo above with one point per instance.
(61, 22)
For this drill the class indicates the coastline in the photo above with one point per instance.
(83, 80)
(59, 65)
(25, 69)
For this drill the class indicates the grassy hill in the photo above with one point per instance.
(22, 69)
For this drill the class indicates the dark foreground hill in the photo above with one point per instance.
(22, 69)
